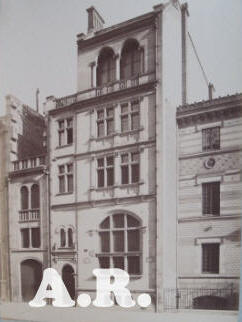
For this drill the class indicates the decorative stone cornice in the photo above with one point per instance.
(102, 35)
(211, 110)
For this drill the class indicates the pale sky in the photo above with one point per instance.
(38, 42)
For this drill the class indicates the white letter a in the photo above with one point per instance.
(58, 291)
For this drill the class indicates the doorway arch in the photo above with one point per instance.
(69, 280)
(31, 276)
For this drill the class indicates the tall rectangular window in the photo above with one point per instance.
(25, 238)
(211, 198)
(130, 168)
(130, 116)
(66, 178)
(105, 171)
(211, 139)
(210, 258)
(105, 121)
(35, 234)
(65, 131)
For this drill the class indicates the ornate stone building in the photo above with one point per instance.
(104, 193)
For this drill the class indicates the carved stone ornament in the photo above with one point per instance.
(209, 163)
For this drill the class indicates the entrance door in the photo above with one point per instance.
(69, 280)
(31, 276)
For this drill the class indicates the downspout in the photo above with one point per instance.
(76, 200)
(48, 191)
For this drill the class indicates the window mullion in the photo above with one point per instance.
(111, 235)
(30, 238)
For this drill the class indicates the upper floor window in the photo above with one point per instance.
(131, 63)
(35, 197)
(130, 168)
(210, 258)
(105, 171)
(24, 198)
(30, 237)
(211, 139)
(66, 178)
(66, 240)
(120, 243)
(106, 68)
(211, 198)
(130, 116)
(65, 131)
(105, 121)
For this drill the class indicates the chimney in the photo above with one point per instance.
(211, 89)
(95, 21)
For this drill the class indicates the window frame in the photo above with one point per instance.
(130, 164)
(104, 169)
(30, 234)
(125, 253)
(211, 203)
(207, 139)
(65, 175)
(64, 132)
(129, 114)
(105, 120)
(210, 261)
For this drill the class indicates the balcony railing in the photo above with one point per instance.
(109, 88)
(29, 215)
(29, 163)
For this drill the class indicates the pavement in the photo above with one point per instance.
(23, 312)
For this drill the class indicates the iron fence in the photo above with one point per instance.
(201, 299)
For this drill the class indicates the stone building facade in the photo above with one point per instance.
(112, 170)
(4, 240)
(209, 190)
(27, 199)
(104, 163)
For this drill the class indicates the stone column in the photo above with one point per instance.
(117, 61)
(93, 67)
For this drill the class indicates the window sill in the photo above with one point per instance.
(110, 136)
(130, 132)
(126, 185)
(64, 193)
(130, 185)
(63, 146)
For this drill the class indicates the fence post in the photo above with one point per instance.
(177, 298)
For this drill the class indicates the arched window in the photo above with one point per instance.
(131, 60)
(120, 239)
(62, 237)
(70, 237)
(24, 198)
(35, 197)
(106, 68)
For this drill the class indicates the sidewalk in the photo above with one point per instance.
(23, 312)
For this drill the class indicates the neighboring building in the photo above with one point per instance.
(4, 245)
(209, 214)
(27, 199)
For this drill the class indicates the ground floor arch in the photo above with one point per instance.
(31, 276)
(69, 279)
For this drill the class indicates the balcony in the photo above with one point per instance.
(29, 215)
(30, 163)
(107, 89)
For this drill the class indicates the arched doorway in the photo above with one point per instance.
(69, 280)
(31, 276)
